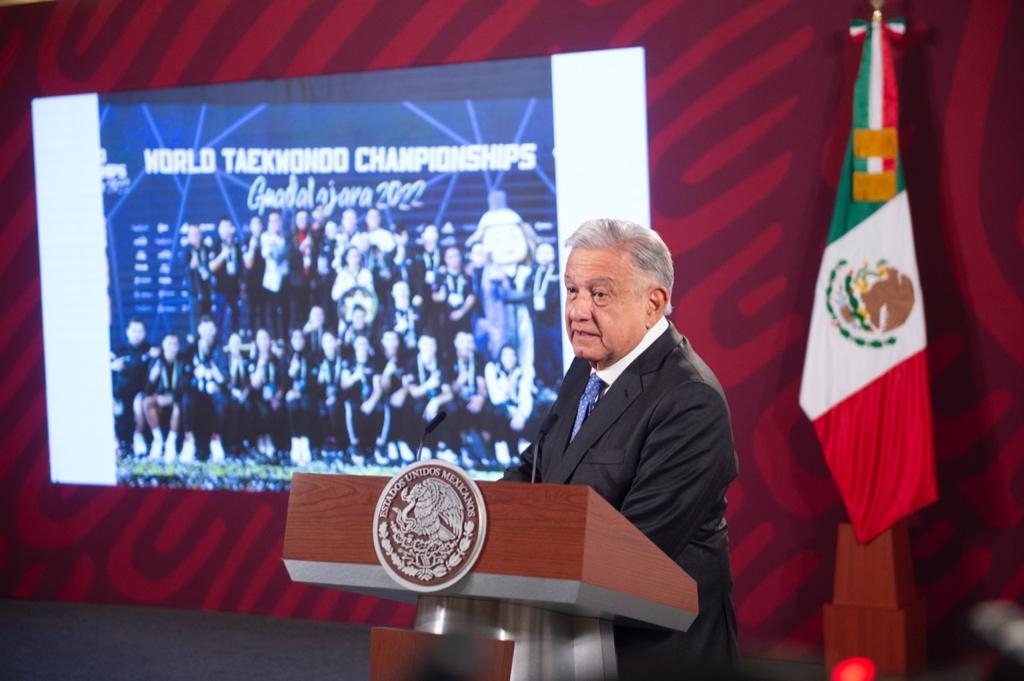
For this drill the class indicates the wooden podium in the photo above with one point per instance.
(558, 566)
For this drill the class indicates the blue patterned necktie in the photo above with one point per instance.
(587, 402)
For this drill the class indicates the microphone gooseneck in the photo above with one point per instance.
(428, 429)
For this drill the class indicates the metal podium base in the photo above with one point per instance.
(549, 646)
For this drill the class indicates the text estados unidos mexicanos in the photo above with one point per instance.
(340, 160)
(434, 472)
(464, 492)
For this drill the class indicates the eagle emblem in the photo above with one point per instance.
(867, 304)
(432, 509)
(429, 525)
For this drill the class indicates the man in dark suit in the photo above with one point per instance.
(642, 420)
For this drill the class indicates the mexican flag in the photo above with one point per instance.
(865, 380)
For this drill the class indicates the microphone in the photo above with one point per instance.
(544, 428)
(430, 427)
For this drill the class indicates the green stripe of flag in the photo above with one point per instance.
(848, 213)
(861, 90)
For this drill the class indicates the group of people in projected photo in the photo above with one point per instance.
(331, 341)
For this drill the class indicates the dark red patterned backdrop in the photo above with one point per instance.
(748, 117)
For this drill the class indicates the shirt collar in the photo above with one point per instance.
(611, 373)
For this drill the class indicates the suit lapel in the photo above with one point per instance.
(568, 400)
(606, 412)
(612, 405)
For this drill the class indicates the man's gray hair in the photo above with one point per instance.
(651, 256)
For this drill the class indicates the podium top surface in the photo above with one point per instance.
(560, 547)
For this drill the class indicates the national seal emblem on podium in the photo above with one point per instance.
(429, 525)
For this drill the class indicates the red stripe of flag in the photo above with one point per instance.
(878, 445)
(890, 95)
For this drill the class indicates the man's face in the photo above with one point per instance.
(256, 225)
(372, 219)
(274, 223)
(207, 331)
(358, 317)
(316, 317)
(298, 341)
(235, 344)
(136, 333)
(608, 309)
(353, 258)
(389, 343)
(453, 259)
(329, 343)
(195, 236)
(170, 347)
(545, 255)
(348, 221)
(226, 230)
(361, 346)
(263, 341)
(301, 219)
(463, 345)
(427, 347)
(430, 236)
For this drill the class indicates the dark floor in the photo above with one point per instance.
(91, 642)
(55, 641)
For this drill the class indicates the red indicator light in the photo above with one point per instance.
(854, 669)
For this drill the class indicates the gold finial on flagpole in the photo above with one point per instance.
(878, 5)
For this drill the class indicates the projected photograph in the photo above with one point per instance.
(313, 273)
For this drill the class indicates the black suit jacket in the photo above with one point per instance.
(658, 446)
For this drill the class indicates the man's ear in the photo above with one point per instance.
(657, 300)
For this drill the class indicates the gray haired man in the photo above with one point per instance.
(643, 420)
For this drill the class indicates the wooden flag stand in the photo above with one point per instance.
(875, 611)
